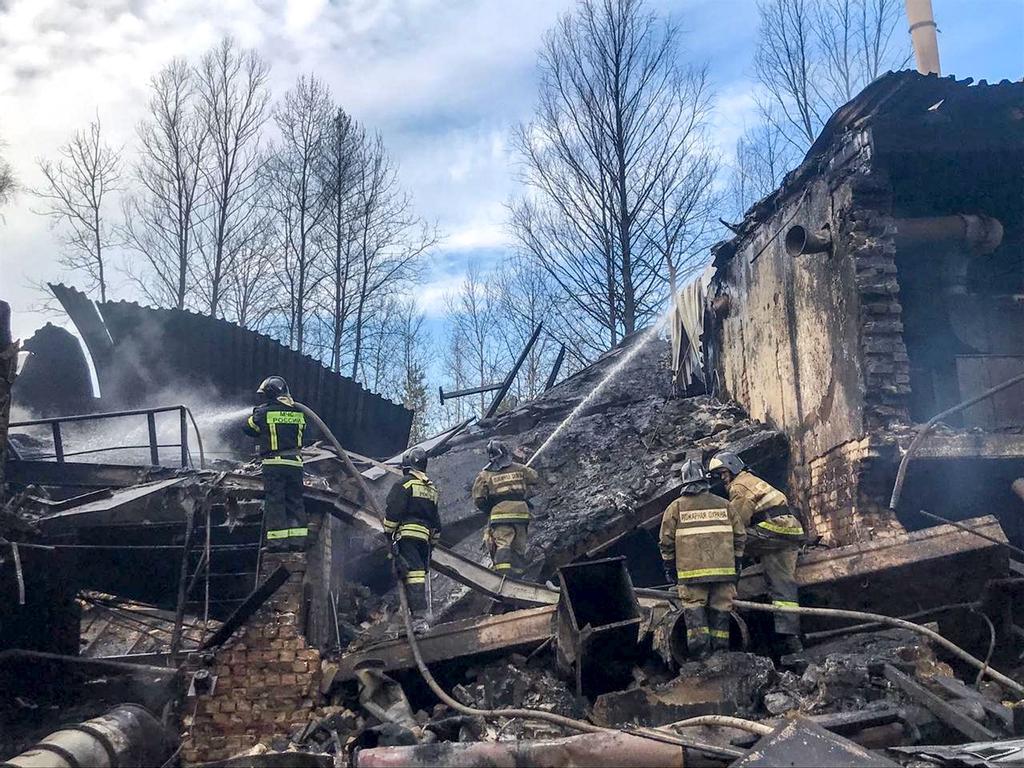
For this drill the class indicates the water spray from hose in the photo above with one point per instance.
(616, 369)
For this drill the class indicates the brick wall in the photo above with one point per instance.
(867, 234)
(847, 499)
(267, 676)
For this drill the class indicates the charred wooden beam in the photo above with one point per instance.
(515, 629)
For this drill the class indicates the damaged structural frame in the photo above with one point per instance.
(816, 321)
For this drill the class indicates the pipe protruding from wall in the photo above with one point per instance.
(923, 36)
(800, 241)
(981, 234)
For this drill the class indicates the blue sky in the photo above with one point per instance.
(443, 80)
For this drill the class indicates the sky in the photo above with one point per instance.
(442, 80)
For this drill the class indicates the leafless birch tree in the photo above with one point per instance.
(302, 119)
(7, 181)
(162, 218)
(339, 170)
(618, 117)
(77, 198)
(388, 236)
(814, 55)
(231, 86)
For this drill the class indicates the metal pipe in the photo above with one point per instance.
(91, 416)
(126, 735)
(982, 234)
(442, 395)
(801, 241)
(923, 36)
(901, 472)
(507, 384)
(592, 749)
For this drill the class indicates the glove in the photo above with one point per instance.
(670, 571)
(739, 567)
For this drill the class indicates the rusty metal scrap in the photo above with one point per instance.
(592, 749)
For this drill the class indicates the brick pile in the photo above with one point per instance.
(267, 677)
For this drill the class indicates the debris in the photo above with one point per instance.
(944, 711)
(598, 625)
(987, 754)
(383, 698)
(725, 684)
(592, 749)
(801, 743)
(249, 607)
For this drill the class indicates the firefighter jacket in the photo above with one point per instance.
(411, 508)
(703, 536)
(502, 493)
(278, 427)
(763, 508)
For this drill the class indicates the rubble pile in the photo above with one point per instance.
(612, 467)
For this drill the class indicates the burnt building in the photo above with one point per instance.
(880, 285)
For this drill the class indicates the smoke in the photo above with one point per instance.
(125, 439)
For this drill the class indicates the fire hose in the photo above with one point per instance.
(525, 714)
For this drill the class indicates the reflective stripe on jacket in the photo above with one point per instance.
(763, 508)
(702, 537)
(503, 493)
(278, 428)
(411, 508)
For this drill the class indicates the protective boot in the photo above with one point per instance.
(420, 623)
(697, 637)
(418, 607)
(719, 625)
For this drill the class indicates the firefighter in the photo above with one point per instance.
(774, 536)
(412, 523)
(701, 546)
(278, 424)
(502, 490)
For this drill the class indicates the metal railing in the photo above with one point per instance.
(154, 445)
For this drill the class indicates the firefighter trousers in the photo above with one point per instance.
(706, 608)
(506, 543)
(414, 570)
(778, 558)
(283, 509)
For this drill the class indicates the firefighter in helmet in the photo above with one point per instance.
(502, 490)
(774, 536)
(701, 544)
(278, 424)
(413, 524)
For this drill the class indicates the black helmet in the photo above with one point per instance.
(415, 458)
(274, 387)
(694, 480)
(727, 460)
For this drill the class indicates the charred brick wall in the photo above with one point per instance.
(267, 676)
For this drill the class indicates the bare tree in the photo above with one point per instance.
(302, 119)
(412, 358)
(388, 236)
(814, 55)
(522, 293)
(232, 92)
(474, 327)
(76, 198)
(618, 118)
(763, 156)
(341, 158)
(7, 181)
(162, 219)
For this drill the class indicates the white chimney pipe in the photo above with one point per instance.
(922, 33)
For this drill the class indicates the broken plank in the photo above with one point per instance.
(897, 575)
(455, 639)
(249, 606)
(943, 710)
